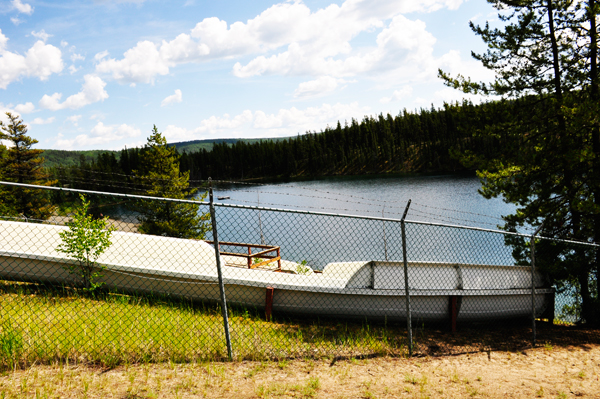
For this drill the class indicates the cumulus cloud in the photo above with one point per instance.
(285, 122)
(173, 98)
(41, 35)
(453, 63)
(26, 108)
(7, 108)
(140, 64)
(317, 87)
(41, 61)
(101, 55)
(100, 135)
(41, 121)
(16, 21)
(397, 95)
(77, 57)
(21, 7)
(92, 91)
(402, 42)
(74, 119)
(316, 43)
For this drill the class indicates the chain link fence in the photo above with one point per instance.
(294, 284)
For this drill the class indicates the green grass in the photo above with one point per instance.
(66, 325)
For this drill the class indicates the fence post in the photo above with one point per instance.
(406, 290)
(384, 237)
(219, 272)
(534, 332)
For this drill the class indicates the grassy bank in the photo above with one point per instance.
(54, 325)
(62, 324)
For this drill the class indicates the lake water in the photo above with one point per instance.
(324, 239)
(446, 199)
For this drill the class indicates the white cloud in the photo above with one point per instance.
(41, 61)
(41, 35)
(4, 109)
(77, 57)
(403, 42)
(21, 7)
(141, 64)
(64, 43)
(397, 95)
(16, 21)
(25, 108)
(74, 119)
(92, 91)
(174, 98)
(295, 120)
(99, 135)
(73, 69)
(98, 115)
(475, 17)
(3, 41)
(101, 55)
(40, 121)
(317, 43)
(453, 63)
(317, 87)
(286, 122)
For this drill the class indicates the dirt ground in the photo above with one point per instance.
(546, 371)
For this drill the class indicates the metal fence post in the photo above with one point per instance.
(533, 329)
(219, 272)
(384, 236)
(406, 290)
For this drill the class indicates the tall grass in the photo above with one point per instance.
(46, 325)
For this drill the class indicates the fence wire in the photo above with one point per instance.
(296, 283)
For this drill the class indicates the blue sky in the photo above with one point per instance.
(99, 74)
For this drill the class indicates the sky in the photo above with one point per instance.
(99, 74)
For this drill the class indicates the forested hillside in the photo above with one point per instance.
(421, 141)
(64, 157)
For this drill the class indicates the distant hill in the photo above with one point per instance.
(197, 145)
(64, 157)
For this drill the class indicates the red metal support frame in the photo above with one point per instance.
(249, 257)
(278, 260)
(269, 303)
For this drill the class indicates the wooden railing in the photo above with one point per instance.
(265, 254)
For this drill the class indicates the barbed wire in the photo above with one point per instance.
(104, 183)
(388, 204)
(401, 208)
(429, 215)
(136, 177)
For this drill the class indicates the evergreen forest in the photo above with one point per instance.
(427, 141)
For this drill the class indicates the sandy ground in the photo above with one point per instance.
(546, 371)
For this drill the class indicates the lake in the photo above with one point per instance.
(446, 199)
(319, 239)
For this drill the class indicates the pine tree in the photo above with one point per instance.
(545, 60)
(22, 164)
(159, 174)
